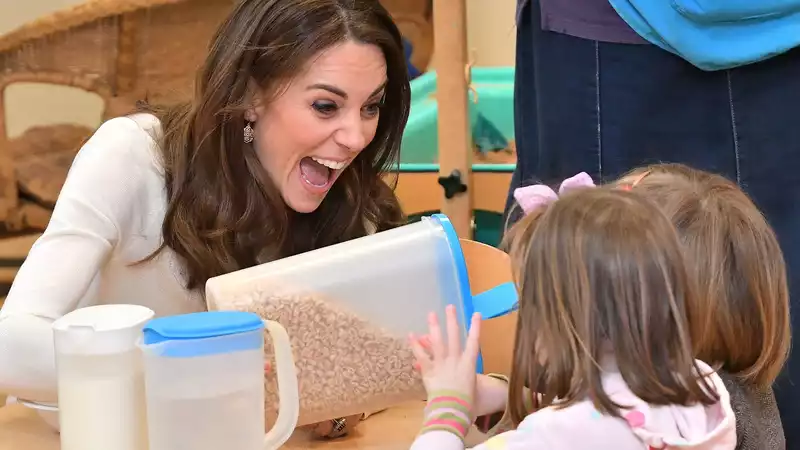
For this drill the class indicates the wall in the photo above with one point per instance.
(492, 35)
(491, 42)
(491, 32)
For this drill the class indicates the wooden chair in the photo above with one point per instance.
(488, 267)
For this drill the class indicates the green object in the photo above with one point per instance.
(488, 226)
(492, 122)
(434, 168)
(491, 117)
(486, 137)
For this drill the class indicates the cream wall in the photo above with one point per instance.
(491, 42)
(491, 30)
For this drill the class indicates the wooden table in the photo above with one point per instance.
(394, 429)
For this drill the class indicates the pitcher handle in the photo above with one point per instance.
(288, 393)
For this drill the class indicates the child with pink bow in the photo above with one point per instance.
(602, 338)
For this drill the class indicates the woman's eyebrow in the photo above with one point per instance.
(379, 89)
(336, 91)
(327, 87)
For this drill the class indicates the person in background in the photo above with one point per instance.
(298, 112)
(592, 94)
(602, 338)
(408, 49)
(740, 322)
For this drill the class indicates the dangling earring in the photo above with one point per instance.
(249, 134)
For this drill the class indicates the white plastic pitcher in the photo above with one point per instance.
(392, 279)
(100, 378)
(204, 378)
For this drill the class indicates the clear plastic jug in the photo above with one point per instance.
(355, 303)
(204, 378)
(100, 378)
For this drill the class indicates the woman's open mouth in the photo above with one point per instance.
(318, 173)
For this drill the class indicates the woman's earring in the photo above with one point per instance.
(249, 134)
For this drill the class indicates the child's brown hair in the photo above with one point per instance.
(598, 270)
(741, 317)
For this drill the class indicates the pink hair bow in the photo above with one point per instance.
(533, 197)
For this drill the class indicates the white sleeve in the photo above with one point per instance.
(96, 201)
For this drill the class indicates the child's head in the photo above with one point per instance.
(741, 317)
(601, 271)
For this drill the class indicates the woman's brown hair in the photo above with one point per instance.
(600, 271)
(224, 213)
(741, 317)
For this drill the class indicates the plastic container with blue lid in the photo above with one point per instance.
(350, 307)
(392, 279)
(204, 378)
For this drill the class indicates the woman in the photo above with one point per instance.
(592, 95)
(298, 111)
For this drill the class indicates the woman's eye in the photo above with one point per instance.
(324, 107)
(372, 110)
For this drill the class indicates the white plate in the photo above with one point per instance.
(48, 412)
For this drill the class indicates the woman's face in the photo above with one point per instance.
(324, 118)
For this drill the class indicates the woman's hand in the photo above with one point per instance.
(328, 429)
(331, 429)
(443, 365)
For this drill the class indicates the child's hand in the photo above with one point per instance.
(444, 367)
(491, 394)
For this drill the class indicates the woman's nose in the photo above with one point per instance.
(352, 135)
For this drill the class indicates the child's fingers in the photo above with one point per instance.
(437, 348)
(473, 346)
(422, 357)
(453, 332)
(425, 341)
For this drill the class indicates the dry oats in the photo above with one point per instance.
(345, 365)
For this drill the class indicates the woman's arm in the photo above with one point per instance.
(491, 396)
(85, 226)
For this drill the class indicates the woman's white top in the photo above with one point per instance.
(108, 217)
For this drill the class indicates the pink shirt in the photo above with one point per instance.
(581, 426)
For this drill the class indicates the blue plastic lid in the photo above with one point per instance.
(495, 302)
(461, 273)
(200, 325)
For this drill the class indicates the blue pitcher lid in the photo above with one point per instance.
(200, 325)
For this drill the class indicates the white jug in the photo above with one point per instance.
(100, 378)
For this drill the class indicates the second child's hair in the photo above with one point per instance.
(741, 317)
(601, 271)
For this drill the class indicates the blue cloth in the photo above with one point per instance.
(716, 34)
(408, 49)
